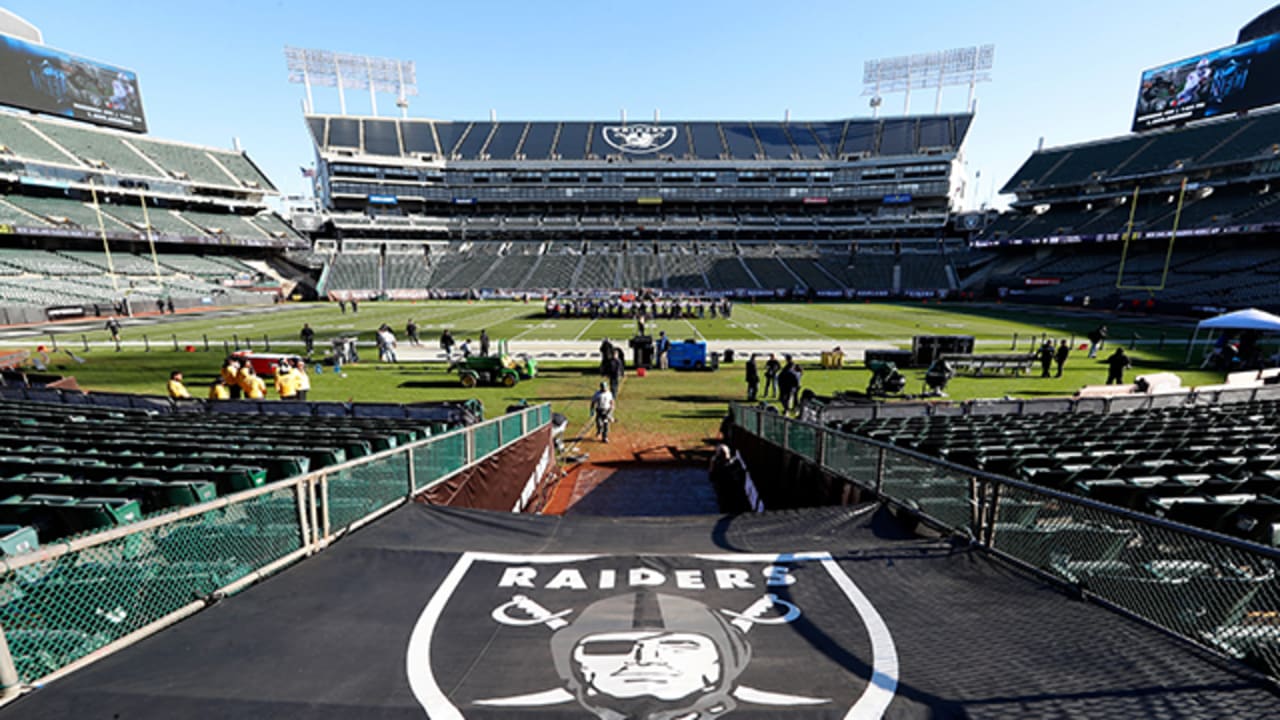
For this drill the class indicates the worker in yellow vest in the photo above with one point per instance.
(218, 390)
(254, 387)
(230, 375)
(176, 388)
(286, 382)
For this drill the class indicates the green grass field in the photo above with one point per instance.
(683, 406)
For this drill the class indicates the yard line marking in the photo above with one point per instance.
(584, 330)
(806, 331)
(695, 330)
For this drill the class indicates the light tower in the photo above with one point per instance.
(359, 72)
(923, 71)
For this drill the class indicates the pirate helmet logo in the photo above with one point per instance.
(639, 139)
(640, 651)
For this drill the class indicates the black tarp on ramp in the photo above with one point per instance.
(829, 613)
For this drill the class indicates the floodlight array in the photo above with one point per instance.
(360, 72)
(959, 66)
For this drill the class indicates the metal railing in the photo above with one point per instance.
(1220, 592)
(70, 603)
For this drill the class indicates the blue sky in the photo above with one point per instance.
(210, 71)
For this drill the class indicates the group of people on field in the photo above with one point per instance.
(781, 381)
(237, 380)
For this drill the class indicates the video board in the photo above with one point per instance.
(1221, 82)
(40, 78)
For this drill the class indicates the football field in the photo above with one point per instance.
(682, 407)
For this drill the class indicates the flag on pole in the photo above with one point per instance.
(308, 172)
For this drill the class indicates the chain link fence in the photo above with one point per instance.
(1218, 591)
(67, 601)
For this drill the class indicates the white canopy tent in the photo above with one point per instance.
(1251, 319)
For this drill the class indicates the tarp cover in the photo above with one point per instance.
(1251, 319)
(832, 613)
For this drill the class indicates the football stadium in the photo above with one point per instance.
(638, 418)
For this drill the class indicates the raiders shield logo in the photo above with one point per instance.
(639, 139)
(650, 638)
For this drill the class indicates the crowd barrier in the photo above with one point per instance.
(72, 602)
(1217, 591)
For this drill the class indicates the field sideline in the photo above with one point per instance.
(669, 407)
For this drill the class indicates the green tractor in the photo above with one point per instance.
(498, 369)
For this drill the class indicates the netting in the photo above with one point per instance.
(1218, 592)
(361, 489)
(59, 610)
(440, 459)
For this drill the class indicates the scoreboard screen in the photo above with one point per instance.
(40, 78)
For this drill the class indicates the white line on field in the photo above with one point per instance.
(584, 331)
(695, 330)
(807, 331)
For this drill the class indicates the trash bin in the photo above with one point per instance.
(728, 355)
(642, 351)
(715, 361)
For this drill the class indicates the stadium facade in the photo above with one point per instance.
(480, 191)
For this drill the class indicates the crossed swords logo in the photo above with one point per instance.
(769, 609)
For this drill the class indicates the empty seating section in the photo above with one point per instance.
(11, 214)
(1088, 161)
(354, 271)
(94, 147)
(226, 224)
(770, 272)
(1256, 138)
(924, 271)
(42, 262)
(245, 171)
(198, 266)
(72, 468)
(124, 263)
(599, 271)
(811, 274)
(509, 270)
(862, 271)
(162, 220)
(274, 225)
(19, 139)
(63, 211)
(555, 271)
(641, 270)
(187, 160)
(407, 270)
(1213, 466)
